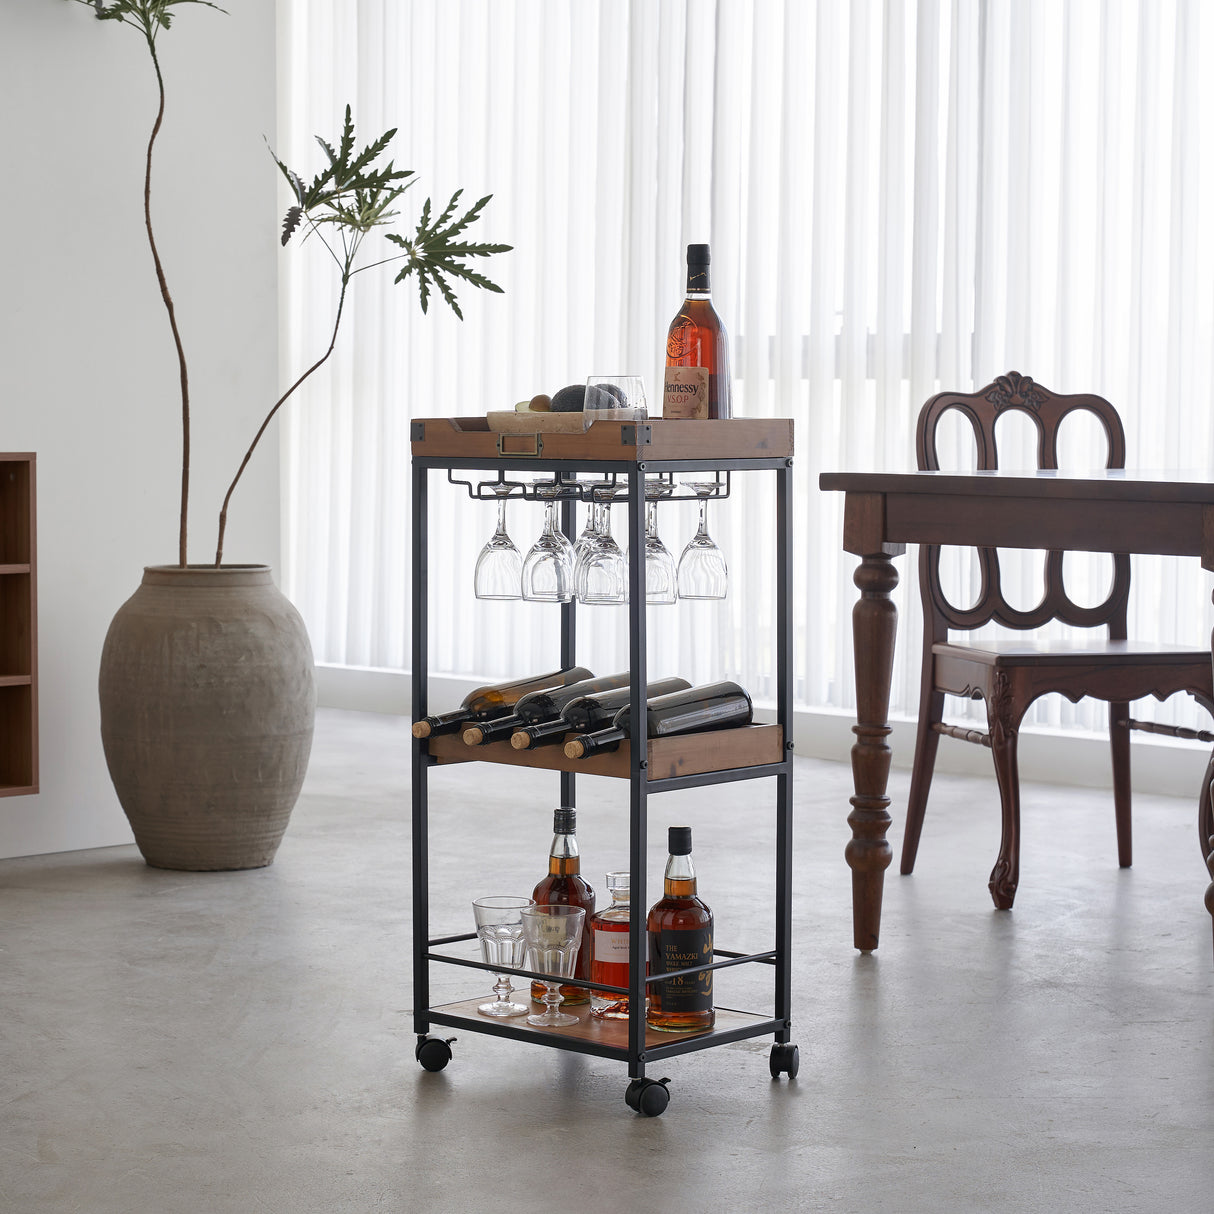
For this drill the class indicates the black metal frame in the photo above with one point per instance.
(641, 786)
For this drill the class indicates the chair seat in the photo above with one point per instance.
(1024, 651)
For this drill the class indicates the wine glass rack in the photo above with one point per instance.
(623, 455)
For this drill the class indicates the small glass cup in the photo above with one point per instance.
(615, 398)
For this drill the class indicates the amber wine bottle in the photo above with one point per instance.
(538, 706)
(697, 383)
(496, 700)
(586, 713)
(709, 706)
(680, 935)
(565, 886)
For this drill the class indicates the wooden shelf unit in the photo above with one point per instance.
(18, 627)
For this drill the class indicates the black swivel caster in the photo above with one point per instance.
(648, 1096)
(785, 1060)
(433, 1052)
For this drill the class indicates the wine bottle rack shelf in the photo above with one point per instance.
(690, 754)
(626, 455)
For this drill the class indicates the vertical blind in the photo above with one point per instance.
(900, 195)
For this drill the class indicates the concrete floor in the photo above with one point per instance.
(243, 1042)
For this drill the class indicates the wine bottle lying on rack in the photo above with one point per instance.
(587, 713)
(496, 700)
(710, 706)
(542, 705)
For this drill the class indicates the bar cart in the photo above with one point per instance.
(625, 454)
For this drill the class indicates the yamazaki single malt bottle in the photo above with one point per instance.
(496, 700)
(538, 706)
(565, 886)
(680, 928)
(697, 383)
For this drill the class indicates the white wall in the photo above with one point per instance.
(88, 376)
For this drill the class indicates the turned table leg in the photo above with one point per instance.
(874, 625)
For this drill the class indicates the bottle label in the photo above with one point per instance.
(685, 393)
(678, 950)
(611, 948)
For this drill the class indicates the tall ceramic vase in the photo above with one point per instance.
(207, 707)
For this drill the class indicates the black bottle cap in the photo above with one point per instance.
(680, 840)
(697, 255)
(564, 821)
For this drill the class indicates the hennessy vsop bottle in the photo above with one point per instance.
(697, 383)
(565, 886)
(680, 935)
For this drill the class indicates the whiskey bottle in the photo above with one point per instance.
(609, 934)
(680, 929)
(710, 706)
(587, 713)
(565, 886)
(496, 700)
(536, 706)
(697, 382)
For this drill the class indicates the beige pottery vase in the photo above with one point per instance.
(207, 706)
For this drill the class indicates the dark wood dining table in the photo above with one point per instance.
(1165, 513)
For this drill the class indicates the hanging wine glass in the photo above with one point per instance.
(661, 578)
(602, 573)
(703, 573)
(499, 567)
(548, 568)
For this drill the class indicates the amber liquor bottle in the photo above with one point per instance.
(565, 886)
(697, 382)
(496, 700)
(680, 929)
(609, 937)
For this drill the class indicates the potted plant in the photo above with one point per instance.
(206, 686)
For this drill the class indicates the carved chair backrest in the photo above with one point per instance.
(1047, 411)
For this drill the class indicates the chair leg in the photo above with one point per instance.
(1205, 811)
(1004, 722)
(926, 742)
(1119, 742)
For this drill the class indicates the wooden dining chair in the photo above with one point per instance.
(1010, 674)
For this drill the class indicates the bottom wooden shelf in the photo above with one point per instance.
(607, 1038)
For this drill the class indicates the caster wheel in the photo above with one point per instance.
(785, 1059)
(433, 1052)
(648, 1096)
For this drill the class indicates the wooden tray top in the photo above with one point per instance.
(627, 442)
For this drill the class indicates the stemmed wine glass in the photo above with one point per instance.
(703, 573)
(661, 579)
(553, 934)
(499, 925)
(602, 574)
(499, 567)
(548, 569)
